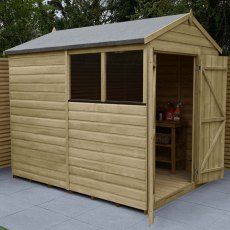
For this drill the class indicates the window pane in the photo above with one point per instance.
(86, 76)
(125, 76)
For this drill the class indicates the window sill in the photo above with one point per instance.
(107, 102)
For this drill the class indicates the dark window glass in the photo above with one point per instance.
(86, 76)
(125, 76)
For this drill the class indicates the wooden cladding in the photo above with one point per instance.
(86, 76)
(125, 76)
(227, 130)
(186, 39)
(107, 152)
(38, 117)
(4, 114)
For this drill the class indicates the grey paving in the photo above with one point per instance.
(9, 205)
(33, 206)
(13, 185)
(75, 225)
(72, 205)
(34, 218)
(109, 217)
(191, 214)
(38, 195)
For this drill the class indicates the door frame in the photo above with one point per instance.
(194, 108)
(151, 89)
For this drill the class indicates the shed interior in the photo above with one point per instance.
(174, 84)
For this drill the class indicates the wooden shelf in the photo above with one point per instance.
(171, 124)
(165, 146)
(169, 155)
(163, 159)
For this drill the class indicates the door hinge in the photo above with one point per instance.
(198, 67)
(196, 172)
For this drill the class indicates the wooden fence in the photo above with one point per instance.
(5, 150)
(227, 132)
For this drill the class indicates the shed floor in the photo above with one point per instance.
(170, 186)
(28, 205)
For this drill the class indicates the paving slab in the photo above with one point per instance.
(72, 205)
(28, 205)
(34, 218)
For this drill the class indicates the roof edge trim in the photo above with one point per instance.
(71, 47)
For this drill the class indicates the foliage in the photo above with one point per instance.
(77, 13)
(23, 20)
(120, 10)
(15, 23)
(2, 228)
(214, 15)
(156, 8)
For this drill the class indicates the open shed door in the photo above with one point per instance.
(211, 112)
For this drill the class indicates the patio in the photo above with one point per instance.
(28, 205)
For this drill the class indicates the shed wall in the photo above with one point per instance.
(186, 39)
(107, 152)
(227, 127)
(38, 117)
(5, 149)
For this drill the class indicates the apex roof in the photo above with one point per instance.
(123, 33)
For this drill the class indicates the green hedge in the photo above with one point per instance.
(2, 228)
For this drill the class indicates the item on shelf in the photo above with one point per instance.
(160, 113)
(160, 116)
(170, 112)
(163, 138)
(177, 112)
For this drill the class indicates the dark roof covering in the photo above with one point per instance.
(131, 32)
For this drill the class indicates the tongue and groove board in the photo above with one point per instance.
(4, 114)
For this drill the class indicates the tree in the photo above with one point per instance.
(23, 20)
(121, 10)
(15, 23)
(44, 17)
(214, 15)
(77, 13)
(156, 8)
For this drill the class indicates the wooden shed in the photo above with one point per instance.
(4, 114)
(227, 133)
(83, 110)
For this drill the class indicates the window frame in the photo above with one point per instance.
(103, 53)
(70, 77)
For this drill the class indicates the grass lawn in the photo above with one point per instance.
(2, 228)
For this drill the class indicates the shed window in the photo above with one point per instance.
(86, 76)
(125, 76)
